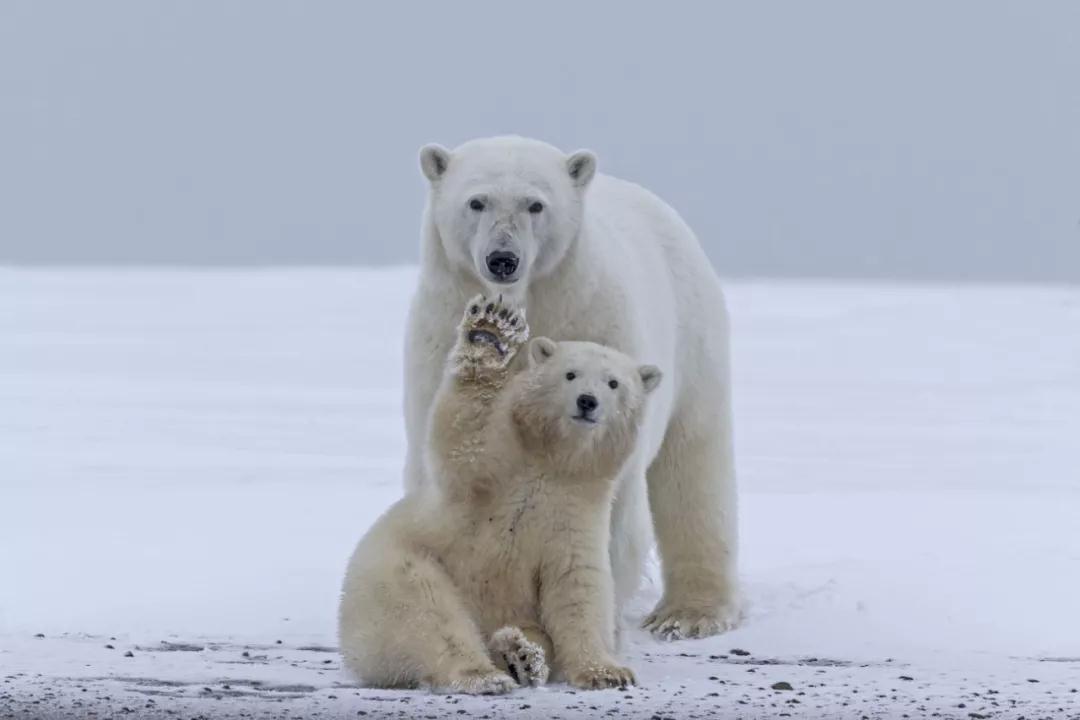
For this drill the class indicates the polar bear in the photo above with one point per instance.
(510, 543)
(599, 259)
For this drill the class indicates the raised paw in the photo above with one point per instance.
(490, 333)
(523, 659)
(672, 622)
(477, 682)
(598, 676)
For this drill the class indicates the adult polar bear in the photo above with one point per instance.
(595, 258)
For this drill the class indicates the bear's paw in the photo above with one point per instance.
(490, 333)
(523, 659)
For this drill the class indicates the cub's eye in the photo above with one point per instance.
(476, 204)
(613, 384)
(536, 207)
(570, 376)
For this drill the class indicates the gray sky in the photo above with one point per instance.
(915, 139)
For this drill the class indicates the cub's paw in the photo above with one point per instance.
(672, 622)
(523, 659)
(482, 681)
(598, 676)
(490, 333)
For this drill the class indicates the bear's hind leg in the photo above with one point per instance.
(404, 624)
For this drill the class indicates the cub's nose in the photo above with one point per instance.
(502, 264)
(586, 403)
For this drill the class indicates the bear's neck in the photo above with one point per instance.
(572, 275)
(591, 468)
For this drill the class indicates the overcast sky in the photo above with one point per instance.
(908, 139)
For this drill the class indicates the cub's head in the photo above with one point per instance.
(583, 401)
(505, 209)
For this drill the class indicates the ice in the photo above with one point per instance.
(190, 457)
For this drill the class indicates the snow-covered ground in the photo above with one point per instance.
(186, 460)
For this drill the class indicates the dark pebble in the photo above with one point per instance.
(740, 653)
(782, 686)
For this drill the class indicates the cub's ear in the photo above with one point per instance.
(540, 350)
(581, 166)
(650, 377)
(434, 159)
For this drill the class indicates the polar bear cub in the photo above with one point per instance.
(497, 573)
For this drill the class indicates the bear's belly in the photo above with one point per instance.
(495, 567)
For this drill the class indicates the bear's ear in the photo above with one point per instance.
(650, 377)
(540, 350)
(434, 159)
(581, 166)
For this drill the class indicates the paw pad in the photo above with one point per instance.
(491, 332)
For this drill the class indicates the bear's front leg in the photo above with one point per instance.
(577, 607)
(693, 502)
(460, 425)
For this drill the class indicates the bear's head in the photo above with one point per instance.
(582, 403)
(505, 209)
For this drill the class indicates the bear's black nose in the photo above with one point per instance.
(586, 403)
(502, 264)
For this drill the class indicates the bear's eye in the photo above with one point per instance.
(536, 207)
(476, 204)
(571, 375)
(613, 384)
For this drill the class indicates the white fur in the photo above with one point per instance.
(609, 262)
(502, 564)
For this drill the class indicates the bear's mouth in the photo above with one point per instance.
(495, 280)
(587, 419)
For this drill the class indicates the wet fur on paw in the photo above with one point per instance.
(478, 682)
(674, 623)
(523, 659)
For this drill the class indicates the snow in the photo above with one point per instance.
(190, 457)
